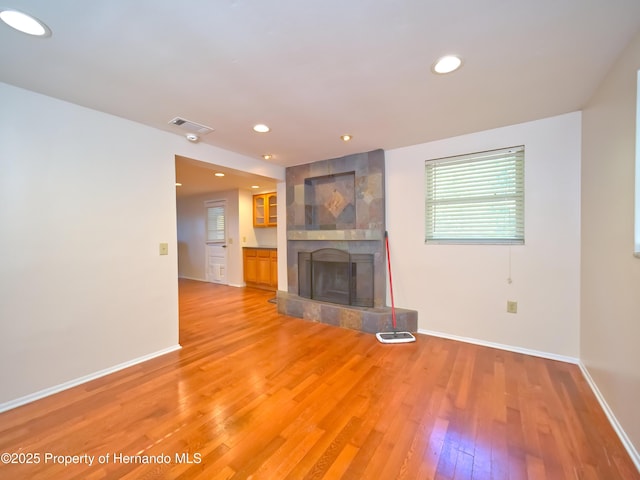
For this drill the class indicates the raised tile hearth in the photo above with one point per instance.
(364, 319)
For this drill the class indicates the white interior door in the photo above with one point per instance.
(216, 267)
(217, 263)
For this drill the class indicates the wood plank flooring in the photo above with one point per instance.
(253, 394)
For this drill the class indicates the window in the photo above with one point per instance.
(215, 221)
(476, 198)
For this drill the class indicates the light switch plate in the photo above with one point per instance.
(164, 249)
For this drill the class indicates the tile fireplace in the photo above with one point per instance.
(336, 216)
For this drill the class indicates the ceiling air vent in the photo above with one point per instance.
(190, 126)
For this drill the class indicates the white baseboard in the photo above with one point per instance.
(204, 280)
(500, 346)
(192, 278)
(32, 397)
(631, 450)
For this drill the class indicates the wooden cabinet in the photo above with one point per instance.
(265, 210)
(261, 267)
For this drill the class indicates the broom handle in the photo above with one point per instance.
(393, 305)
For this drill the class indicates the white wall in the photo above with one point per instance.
(462, 290)
(610, 273)
(85, 200)
(281, 236)
(247, 232)
(192, 228)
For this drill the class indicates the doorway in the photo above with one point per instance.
(200, 182)
(216, 242)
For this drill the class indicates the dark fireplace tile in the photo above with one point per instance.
(319, 169)
(296, 176)
(350, 318)
(330, 315)
(311, 311)
(372, 322)
(292, 308)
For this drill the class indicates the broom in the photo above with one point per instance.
(395, 336)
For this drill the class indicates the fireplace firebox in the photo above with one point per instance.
(336, 276)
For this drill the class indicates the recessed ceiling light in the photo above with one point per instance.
(255, 186)
(261, 128)
(447, 64)
(219, 174)
(346, 138)
(178, 184)
(25, 23)
(267, 156)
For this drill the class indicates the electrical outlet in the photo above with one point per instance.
(512, 307)
(164, 249)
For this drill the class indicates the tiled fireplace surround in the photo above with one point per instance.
(339, 203)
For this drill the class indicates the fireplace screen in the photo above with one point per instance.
(336, 276)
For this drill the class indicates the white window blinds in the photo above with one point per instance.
(476, 198)
(215, 222)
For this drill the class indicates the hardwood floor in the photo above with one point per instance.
(253, 394)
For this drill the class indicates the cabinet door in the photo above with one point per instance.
(250, 266)
(264, 268)
(272, 203)
(259, 211)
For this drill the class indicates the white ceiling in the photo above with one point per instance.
(198, 178)
(314, 70)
